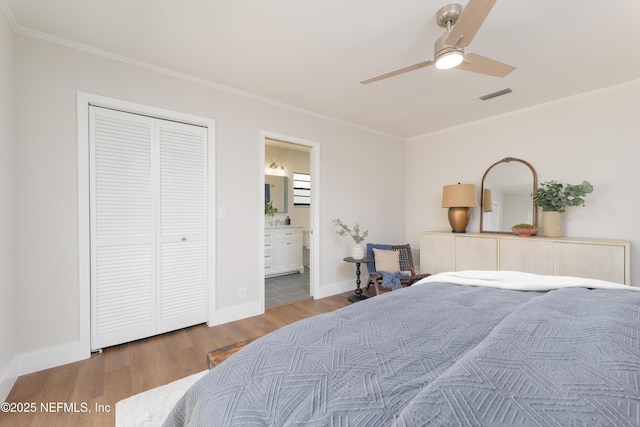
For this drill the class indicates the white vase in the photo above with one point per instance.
(552, 223)
(357, 252)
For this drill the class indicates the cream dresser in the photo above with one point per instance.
(591, 258)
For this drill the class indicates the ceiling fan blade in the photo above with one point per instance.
(469, 22)
(483, 65)
(400, 71)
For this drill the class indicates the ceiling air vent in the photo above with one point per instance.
(495, 94)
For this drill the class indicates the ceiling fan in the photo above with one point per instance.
(448, 50)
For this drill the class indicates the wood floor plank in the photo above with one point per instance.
(124, 370)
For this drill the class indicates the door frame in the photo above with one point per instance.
(314, 209)
(84, 100)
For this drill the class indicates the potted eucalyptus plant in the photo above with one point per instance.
(357, 251)
(554, 198)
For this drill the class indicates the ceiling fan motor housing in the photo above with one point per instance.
(441, 49)
(448, 14)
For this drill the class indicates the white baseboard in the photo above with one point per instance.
(335, 288)
(50, 357)
(27, 363)
(5, 388)
(236, 313)
(256, 308)
(7, 380)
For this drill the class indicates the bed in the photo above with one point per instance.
(473, 348)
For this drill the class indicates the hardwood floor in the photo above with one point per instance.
(96, 384)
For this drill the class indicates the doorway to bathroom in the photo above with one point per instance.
(290, 194)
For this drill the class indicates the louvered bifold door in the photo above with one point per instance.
(182, 274)
(148, 226)
(123, 223)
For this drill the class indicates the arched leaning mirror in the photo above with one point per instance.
(506, 196)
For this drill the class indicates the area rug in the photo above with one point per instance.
(150, 408)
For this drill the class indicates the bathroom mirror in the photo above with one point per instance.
(276, 190)
(506, 196)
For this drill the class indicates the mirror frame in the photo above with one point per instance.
(533, 189)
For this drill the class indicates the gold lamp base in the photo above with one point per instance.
(459, 219)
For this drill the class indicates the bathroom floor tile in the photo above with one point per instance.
(284, 289)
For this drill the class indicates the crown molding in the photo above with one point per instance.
(8, 14)
(169, 72)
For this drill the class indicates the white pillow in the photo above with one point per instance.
(386, 260)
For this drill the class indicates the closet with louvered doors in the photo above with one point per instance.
(148, 197)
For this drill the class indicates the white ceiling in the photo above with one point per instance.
(312, 54)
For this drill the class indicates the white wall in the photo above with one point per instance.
(593, 137)
(47, 78)
(8, 345)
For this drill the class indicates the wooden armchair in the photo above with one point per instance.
(408, 271)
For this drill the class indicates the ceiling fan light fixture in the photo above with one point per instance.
(449, 59)
(449, 49)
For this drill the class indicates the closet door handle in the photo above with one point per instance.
(184, 239)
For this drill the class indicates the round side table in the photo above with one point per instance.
(357, 296)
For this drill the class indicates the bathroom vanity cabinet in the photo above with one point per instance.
(282, 251)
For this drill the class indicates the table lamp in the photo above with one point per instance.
(459, 198)
(487, 201)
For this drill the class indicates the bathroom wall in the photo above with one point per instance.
(294, 159)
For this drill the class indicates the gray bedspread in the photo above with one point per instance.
(437, 354)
